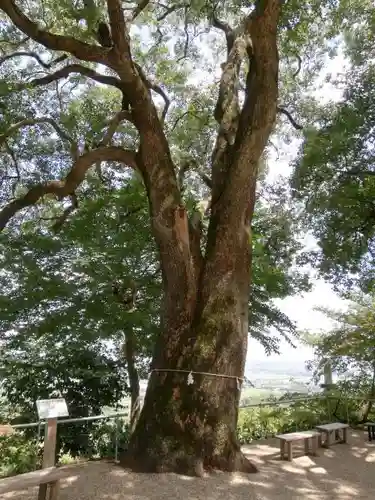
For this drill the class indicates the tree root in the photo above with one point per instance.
(188, 465)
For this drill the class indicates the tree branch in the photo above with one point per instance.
(285, 112)
(299, 60)
(140, 7)
(113, 125)
(35, 56)
(66, 187)
(156, 88)
(229, 32)
(119, 32)
(81, 50)
(27, 122)
(169, 10)
(73, 68)
(60, 221)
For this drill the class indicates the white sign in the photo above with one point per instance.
(52, 408)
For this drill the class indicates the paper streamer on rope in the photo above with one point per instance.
(190, 378)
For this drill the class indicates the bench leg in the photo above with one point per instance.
(54, 489)
(345, 435)
(320, 440)
(290, 451)
(306, 446)
(282, 449)
(315, 444)
(372, 432)
(328, 439)
(42, 495)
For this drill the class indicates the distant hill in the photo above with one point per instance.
(276, 367)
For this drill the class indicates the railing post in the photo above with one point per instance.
(117, 422)
(49, 452)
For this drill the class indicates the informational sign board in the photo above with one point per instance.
(52, 408)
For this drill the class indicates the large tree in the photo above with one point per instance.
(205, 264)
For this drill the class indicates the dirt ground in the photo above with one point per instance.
(343, 472)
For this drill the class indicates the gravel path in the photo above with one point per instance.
(343, 472)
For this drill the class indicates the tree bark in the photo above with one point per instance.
(135, 403)
(185, 427)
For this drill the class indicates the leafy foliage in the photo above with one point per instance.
(350, 344)
(334, 174)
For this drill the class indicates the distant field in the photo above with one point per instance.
(249, 396)
(252, 395)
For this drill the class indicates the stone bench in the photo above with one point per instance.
(287, 440)
(49, 476)
(332, 433)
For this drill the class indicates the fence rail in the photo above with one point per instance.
(72, 420)
(120, 416)
(95, 418)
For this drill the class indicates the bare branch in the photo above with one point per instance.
(286, 113)
(187, 37)
(17, 177)
(140, 7)
(67, 187)
(35, 121)
(14, 159)
(60, 221)
(113, 125)
(68, 70)
(229, 32)
(169, 10)
(299, 60)
(156, 88)
(35, 56)
(81, 50)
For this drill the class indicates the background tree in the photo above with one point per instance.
(334, 173)
(205, 272)
(350, 348)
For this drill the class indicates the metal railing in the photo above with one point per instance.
(113, 416)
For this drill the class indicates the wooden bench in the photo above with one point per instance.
(370, 430)
(332, 433)
(292, 437)
(49, 476)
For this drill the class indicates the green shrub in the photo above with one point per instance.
(18, 454)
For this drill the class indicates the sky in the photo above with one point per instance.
(300, 308)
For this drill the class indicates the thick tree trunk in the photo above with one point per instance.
(191, 427)
(187, 427)
(135, 404)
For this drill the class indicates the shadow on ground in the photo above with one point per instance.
(343, 472)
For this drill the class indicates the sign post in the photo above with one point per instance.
(50, 410)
